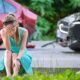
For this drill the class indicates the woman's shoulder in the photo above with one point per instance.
(23, 29)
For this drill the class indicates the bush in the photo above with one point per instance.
(66, 75)
(44, 30)
(50, 12)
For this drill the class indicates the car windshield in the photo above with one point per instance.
(6, 7)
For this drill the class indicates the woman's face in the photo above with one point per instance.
(10, 29)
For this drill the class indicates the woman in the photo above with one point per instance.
(16, 54)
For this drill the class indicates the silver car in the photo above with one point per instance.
(68, 32)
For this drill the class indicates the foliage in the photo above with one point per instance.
(75, 3)
(23, 2)
(43, 29)
(43, 7)
(49, 12)
(66, 75)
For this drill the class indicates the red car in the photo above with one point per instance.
(26, 17)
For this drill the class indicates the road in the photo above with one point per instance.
(52, 56)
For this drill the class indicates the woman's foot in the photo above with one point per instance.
(8, 75)
(14, 75)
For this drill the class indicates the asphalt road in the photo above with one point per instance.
(52, 56)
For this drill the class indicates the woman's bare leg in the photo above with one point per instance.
(7, 62)
(16, 64)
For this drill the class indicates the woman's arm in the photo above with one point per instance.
(5, 39)
(23, 45)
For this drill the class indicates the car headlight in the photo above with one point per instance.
(63, 29)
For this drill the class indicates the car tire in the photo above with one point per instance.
(75, 46)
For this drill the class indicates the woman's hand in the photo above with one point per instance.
(5, 31)
(16, 63)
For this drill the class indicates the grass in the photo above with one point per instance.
(66, 75)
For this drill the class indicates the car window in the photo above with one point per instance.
(6, 7)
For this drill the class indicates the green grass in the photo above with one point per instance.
(66, 75)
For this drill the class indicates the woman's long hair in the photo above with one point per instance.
(17, 37)
(11, 19)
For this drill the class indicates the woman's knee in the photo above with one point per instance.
(7, 58)
(8, 53)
